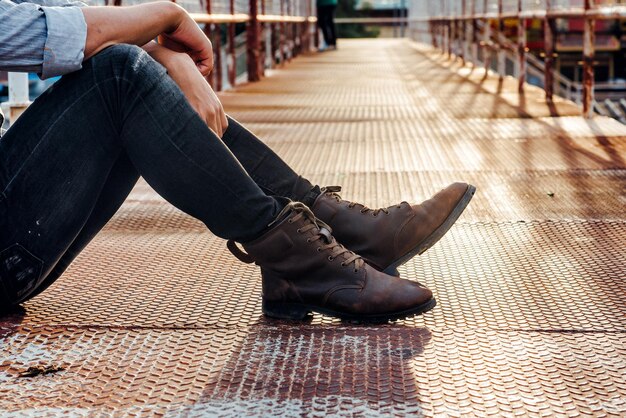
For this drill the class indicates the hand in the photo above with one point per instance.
(141, 23)
(188, 38)
(196, 89)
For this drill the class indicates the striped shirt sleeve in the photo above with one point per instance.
(47, 40)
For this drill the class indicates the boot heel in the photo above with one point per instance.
(285, 310)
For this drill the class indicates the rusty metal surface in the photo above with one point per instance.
(506, 275)
(281, 370)
(157, 318)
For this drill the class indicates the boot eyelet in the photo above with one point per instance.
(330, 258)
(374, 214)
(299, 231)
(308, 240)
(355, 271)
(290, 221)
(343, 264)
(319, 249)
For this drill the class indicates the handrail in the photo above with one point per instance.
(285, 19)
(371, 20)
(598, 13)
(243, 18)
(220, 18)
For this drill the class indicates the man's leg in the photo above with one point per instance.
(116, 189)
(266, 168)
(56, 160)
(332, 29)
(386, 241)
(323, 22)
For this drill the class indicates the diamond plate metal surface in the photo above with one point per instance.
(157, 318)
(281, 370)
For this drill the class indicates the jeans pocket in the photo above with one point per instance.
(20, 271)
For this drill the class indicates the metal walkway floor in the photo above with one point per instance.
(156, 317)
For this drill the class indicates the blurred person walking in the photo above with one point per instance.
(326, 21)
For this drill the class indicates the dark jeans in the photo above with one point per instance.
(72, 158)
(326, 22)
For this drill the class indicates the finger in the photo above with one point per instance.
(210, 121)
(204, 69)
(224, 121)
(220, 128)
(216, 126)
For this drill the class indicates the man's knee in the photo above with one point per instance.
(127, 61)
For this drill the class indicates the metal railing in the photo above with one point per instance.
(287, 24)
(275, 31)
(465, 26)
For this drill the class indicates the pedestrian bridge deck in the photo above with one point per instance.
(156, 316)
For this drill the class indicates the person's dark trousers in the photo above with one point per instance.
(326, 22)
(72, 158)
(266, 168)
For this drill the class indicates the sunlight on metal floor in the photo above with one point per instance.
(156, 317)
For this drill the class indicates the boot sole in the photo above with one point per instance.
(296, 311)
(432, 239)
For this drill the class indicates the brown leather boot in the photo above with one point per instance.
(389, 237)
(305, 270)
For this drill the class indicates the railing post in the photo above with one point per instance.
(292, 34)
(305, 29)
(269, 55)
(474, 34)
(253, 43)
(449, 37)
(18, 96)
(207, 31)
(282, 44)
(232, 61)
(432, 30)
(463, 36)
(217, 52)
(548, 39)
(487, 40)
(314, 27)
(501, 56)
(521, 48)
(588, 56)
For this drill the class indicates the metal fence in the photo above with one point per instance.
(279, 29)
(248, 37)
(474, 30)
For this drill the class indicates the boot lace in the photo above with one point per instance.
(321, 234)
(333, 191)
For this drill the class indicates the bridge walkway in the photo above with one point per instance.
(157, 318)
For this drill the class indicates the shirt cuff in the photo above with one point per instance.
(65, 44)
